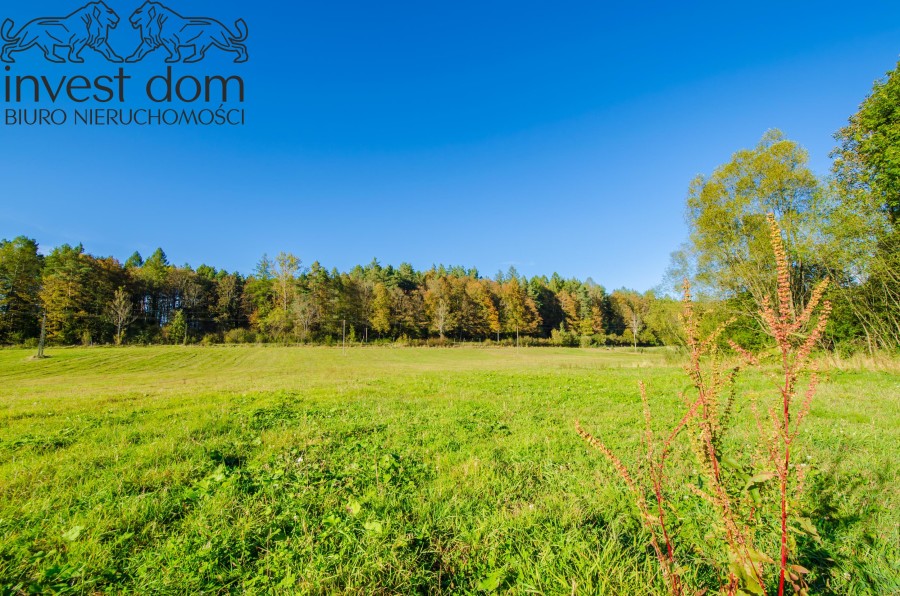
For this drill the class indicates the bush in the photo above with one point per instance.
(526, 341)
(561, 337)
(646, 338)
(211, 339)
(146, 336)
(239, 336)
(614, 339)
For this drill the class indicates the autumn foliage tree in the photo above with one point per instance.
(519, 312)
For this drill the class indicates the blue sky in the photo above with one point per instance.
(550, 136)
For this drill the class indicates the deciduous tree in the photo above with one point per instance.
(633, 307)
(864, 227)
(380, 316)
(727, 219)
(519, 311)
(20, 282)
(121, 312)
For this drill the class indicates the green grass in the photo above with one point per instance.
(305, 470)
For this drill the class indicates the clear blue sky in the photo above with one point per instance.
(550, 136)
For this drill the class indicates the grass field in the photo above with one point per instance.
(383, 470)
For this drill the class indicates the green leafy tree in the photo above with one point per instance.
(189, 294)
(727, 220)
(408, 311)
(258, 295)
(177, 329)
(868, 158)
(439, 302)
(227, 312)
(321, 301)
(279, 319)
(156, 297)
(592, 300)
(544, 291)
(20, 282)
(380, 316)
(287, 266)
(864, 228)
(520, 313)
(663, 321)
(65, 294)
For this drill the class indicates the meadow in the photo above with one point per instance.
(282, 470)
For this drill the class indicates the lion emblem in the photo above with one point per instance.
(87, 27)
(165, 28)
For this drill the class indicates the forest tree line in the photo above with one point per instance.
(844, 227)
(89, 299)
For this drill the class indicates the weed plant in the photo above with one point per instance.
(750, 499)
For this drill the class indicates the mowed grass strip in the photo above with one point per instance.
(383, 470)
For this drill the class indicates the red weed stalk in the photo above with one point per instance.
(707, 418)
(709, 424)
(654, 475)
(795, 337)
(651, 478)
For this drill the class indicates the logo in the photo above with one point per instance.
(129, 95)
(159, 27)
(87, 27)
(165, 28)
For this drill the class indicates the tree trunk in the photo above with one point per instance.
(40, 353)
(634, 332)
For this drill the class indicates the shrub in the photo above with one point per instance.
(239, 336)
(211, 339)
